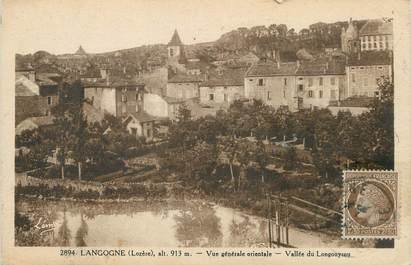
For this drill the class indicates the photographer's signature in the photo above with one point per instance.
(44, 225)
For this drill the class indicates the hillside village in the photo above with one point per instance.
(260, 114)
(147, 85)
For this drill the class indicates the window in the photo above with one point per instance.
(332, 81)
(123, 97)
(369, 45)
(261, 82)
(352, 68)
(310, 81)
(300, 78)
(375, 45)
(211, 97)
(49, 101)
(300, 87)
(225, 97)
(310, 93)
(285, 81)
(333, 96)
(225, 87)
(379, 67)
(320, 81)
(171, 52)
(320, 94)
(148, 133)
(353, 78)
(268, 95)
(251, 80)
(362, 67)
(364, 46)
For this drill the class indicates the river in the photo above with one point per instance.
(157, 224)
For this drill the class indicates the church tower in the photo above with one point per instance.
(350, 42)
(175, 48)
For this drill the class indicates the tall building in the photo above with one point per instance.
(350, 42)
(175, 47)
(376, 35)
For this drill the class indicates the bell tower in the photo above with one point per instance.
(175, 47)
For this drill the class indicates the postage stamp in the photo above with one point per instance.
(370, 204)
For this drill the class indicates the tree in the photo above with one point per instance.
(290, 158)
(79, 136)
(261, 157)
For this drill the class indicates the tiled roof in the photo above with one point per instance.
(42, 120)
(25, 87)
(377, 27)
(270, 68)
(185, 78)
(115, 82)
(92, 73)
(175, 40)
(42, 79)
(228, 77)
(142, 116)
(321, 68)
(370, 58)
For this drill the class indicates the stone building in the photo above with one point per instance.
(319, 83)
(363, 71)
(183, 86)
(35, 94)
(272, 82)
(376, 35)
(223, 86)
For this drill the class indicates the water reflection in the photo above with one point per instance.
(82, 232)
(64, 233)
(154, 224)
(198, 226)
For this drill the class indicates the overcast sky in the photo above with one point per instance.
(60, 26)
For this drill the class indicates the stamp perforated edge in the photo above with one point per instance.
(397, 206)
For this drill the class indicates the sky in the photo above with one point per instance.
(60, 26)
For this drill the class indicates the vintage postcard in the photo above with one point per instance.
(202, 132)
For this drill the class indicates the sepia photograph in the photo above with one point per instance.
(223, 124)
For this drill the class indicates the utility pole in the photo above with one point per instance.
(286, 223)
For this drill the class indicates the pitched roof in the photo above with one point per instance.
(228, 77)
(370, 58)
(25, 87)
(175, 40)
(185, 78)
(142, 116)
(270, 68)
(333, 67)
(377, 27)
(43, 79)
(41, 121)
